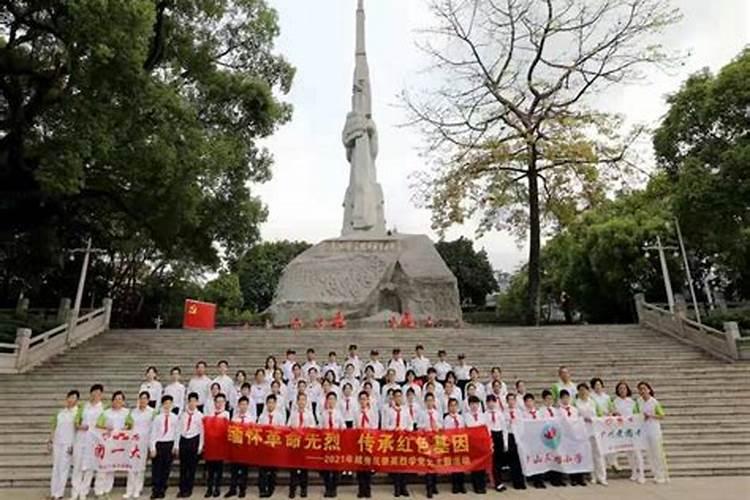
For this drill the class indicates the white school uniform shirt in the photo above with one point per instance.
(163, 432)
(191, 425)
(420, 365)
(286, 368)
(377, 368)
(310, 364)
(177, 391)
(603, 400)
(395, 419)
(453, 421)
(300, 419)
(414, 409)
(142, 420)
(495, 420)
(417, 390)
(332, 367)
(624, 406)
(347, 407)
(462, 371)
(442, 368)
(226, 383)
(439, 389)
(479, 386)
(587, 409)
(398, 366)
(503, 391)
(455, 394)
(386, 387)
(651, 426)
(154, 390)
(244, 418)
(356, 362)
(513, 419)
(222, 414)
(533, 414)
(569, 411)
(258, 393)
(430, 419)
(366, 418)
(86, 439)
(200, 386)
(277, 417)
(63, 425)
(478, 419)
(331, 419)
(356, 384)
(114, 419)
(549, 412)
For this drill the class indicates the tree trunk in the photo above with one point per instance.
(532, 300)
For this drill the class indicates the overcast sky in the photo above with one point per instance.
(311, 172)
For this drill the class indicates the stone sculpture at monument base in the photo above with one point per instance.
(368, 279)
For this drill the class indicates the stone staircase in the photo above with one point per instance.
(707, 429)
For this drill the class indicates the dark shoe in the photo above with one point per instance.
(303, 492)
(292, 492)
(231, 493)
(241, 495)
(405, 493)
(217, 492)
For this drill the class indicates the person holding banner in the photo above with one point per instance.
(496, 426)
(238, 481)
(549, 412)
(513, 419)
(653, 413)
(272, 415)
(453, 420)
(588, 409)
(430, 420)
(530, 412)
(605, 402)
(300, 418)
(571, 413)
(215, 468)
(163, 447)
(116, 418)
(623, 405)
(396, 418)
(331, 419)
(140, 418)
(476, 417)
(60, 444)
(84, 461)
(365, 417)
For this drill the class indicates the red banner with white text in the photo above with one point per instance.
(442, 452)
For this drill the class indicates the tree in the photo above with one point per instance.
(703, 144)
(512, 112)
(224, 291)
(134, 122)
(472, 269)
(260, 269)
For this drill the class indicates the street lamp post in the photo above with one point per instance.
(687, 270)
(664, 269)
(73, 320)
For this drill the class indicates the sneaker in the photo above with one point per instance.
(641, 480)
(603, 482)
(500, 487)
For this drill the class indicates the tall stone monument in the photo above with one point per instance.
(368, 273)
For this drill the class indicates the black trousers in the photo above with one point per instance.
(238, 480)
(399, 483)
(555, 478)
(214, 473)
(188, 463)
(364, 484)
(514, 462)
(330, 481)
(498, 457)
(298, 477)
(259, 409)
(161, 466)
(430, 484)
(266, 481)
(457, 482)
(479, 481)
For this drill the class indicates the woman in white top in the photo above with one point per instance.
(116, 418)
(209, 406)
(84, 461)
(268, 369)
(141, 417)
(589, 409)
(653, 414)
(413, 383)
(152, 386)
(604, 401)
(623, 405)
(60, 444)
(232, 399)
(258, 391)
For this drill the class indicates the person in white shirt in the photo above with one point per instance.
(472, 390)
(289, 362)
(190, 445)
(141, 417)
(496, 375)
(269, 367)
(414, 384)
(565, 382)
(496, 425)
(513, 418)
(624, 405)
(152, 386)
(331, 420)
(259, 389)
(588, 409)
(476, 417)
(396, 418)
(432, 375)
(377, 367)
(419, 363)
(442, 367)
(453, 420)
(365, 417)
(548, 411)
(520, 393)
(84, 461)
(273, 414)
(200, 384)
(430, 420)
(413, 406)
(116, 418)
(60, 444)
(569, 411)
(350, 377)
(474, 379)
(281, 400)
(462, 370)
(176, 389)
(604, 401)
(215, 468)
(347, 405)
(333, 366)
(451, 392)
(653, 413)
(499, 393)
(238, 481)
(310, 363)
(165, 431)
(224, 380)
(301, 417)
(532, 413)
(353, 358)
(398, 365)
(390, 382)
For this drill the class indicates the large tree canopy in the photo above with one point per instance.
(134, 122)
(472, 269)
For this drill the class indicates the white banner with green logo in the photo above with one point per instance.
(557, 444)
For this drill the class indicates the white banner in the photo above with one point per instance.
(557, 444)
(618, 434)
(118, 450)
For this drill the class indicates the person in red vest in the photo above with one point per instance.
(338, 321)
(296, 323)
(407, 321)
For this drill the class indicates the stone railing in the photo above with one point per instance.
(726, 345)
(29, 351)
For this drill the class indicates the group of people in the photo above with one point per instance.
(397, 394)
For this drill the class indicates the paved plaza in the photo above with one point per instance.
(704, 488)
